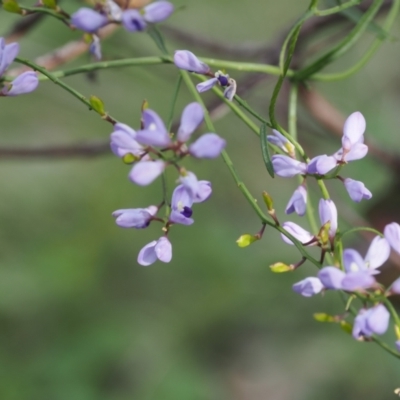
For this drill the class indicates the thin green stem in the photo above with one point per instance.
(47, 11)
(361, 228)
(341, 47)
(391, 17)
(292, 115)
(324, 190)
(337, 9)
(252, 201)
(392, 311)
(173, 102)
(386, 347)
(66, 87)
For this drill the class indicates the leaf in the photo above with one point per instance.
(265, 150)
(155, 34)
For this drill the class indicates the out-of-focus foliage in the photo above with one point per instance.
(80, 320)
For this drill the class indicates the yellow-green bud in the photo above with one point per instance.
(322, 317)
(246, 240)
(268, 201)
(280, 267)
(97, 105)
(129, 158)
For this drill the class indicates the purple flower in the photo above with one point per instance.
(198, 190)
(356, 190)
(287, 167)
(354, 281)
(377, 254)
(209, 145)
(331, 277)
(154, 133)
(308, 287)
(144, 172)
(25, 83)
(134, 217)
(192, 117)
(280, 141)
(392, 235)
(95, 47)
(353, 147)
(297, 231)
(328, 213)
(395, 288)
(206, 85)
(160, 249)
(185, 59)
(181, 206)
(123, 141)
(133, 21)
(88, 20)
(298, 202)
(321, 164)
(157, 11)
(7, 54)
(372, 321)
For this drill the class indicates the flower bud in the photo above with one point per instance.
(246, 240)
(185, 59)
(25, 83)
(88, 20)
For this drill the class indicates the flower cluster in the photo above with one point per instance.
(186, 60)
(347, 270)
(151, 150)
(22, 84)
(90, 20)
(353, 148)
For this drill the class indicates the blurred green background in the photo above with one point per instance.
(81, 320)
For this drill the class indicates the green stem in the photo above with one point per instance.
(361, 228)
(60, 83)
(173, 102)
(337, 9)
(368, 54)
(252, 201)
(324, 190)
(341, 47)
(392, 311)
(47, 11)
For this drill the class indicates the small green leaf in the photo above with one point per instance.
(155, 34)
(12, 6)
(265, 151)
(246, 240)
(280, 267)
(97, 105)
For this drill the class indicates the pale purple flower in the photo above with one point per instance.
(280, 141)
(287, 167)
(353, 147)
(395, 287)
(356, 190)
(371, 321)
(7, 54)
(133, 21)
(160, 249)
(206, 85)
(321, 164)
(392, 235)
(354, 281)
(154, 132)
(95, 47)
(397, 344)
(145, 172)
(377, 254)
(328, 213)
(186, 60)
(134, 217)
(157, 11)
(192, 117)
(198, 190)
(123, 141)
(308, 287)
(25, 83)
(181, 206)
(209, 145)
(297, 231)
(331, 277)
(298, 202)
(88, 20)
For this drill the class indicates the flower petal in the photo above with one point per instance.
(357, 281)
(192, 117)
(206, 85)
(356, 190)
(25, 83)
(378, 253)
(158, 11)
(132, 218)
(297, 231)
(298, 202)
(354, 127)
(392, 235)
(185, 59)
(331, 277)
(163, 249)
(145, 172)
(352, 261)
(328, 213)
(287, 167)
(308, 287)
(147, 254)
(88, 20)
(209, 145)
(133, 21)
